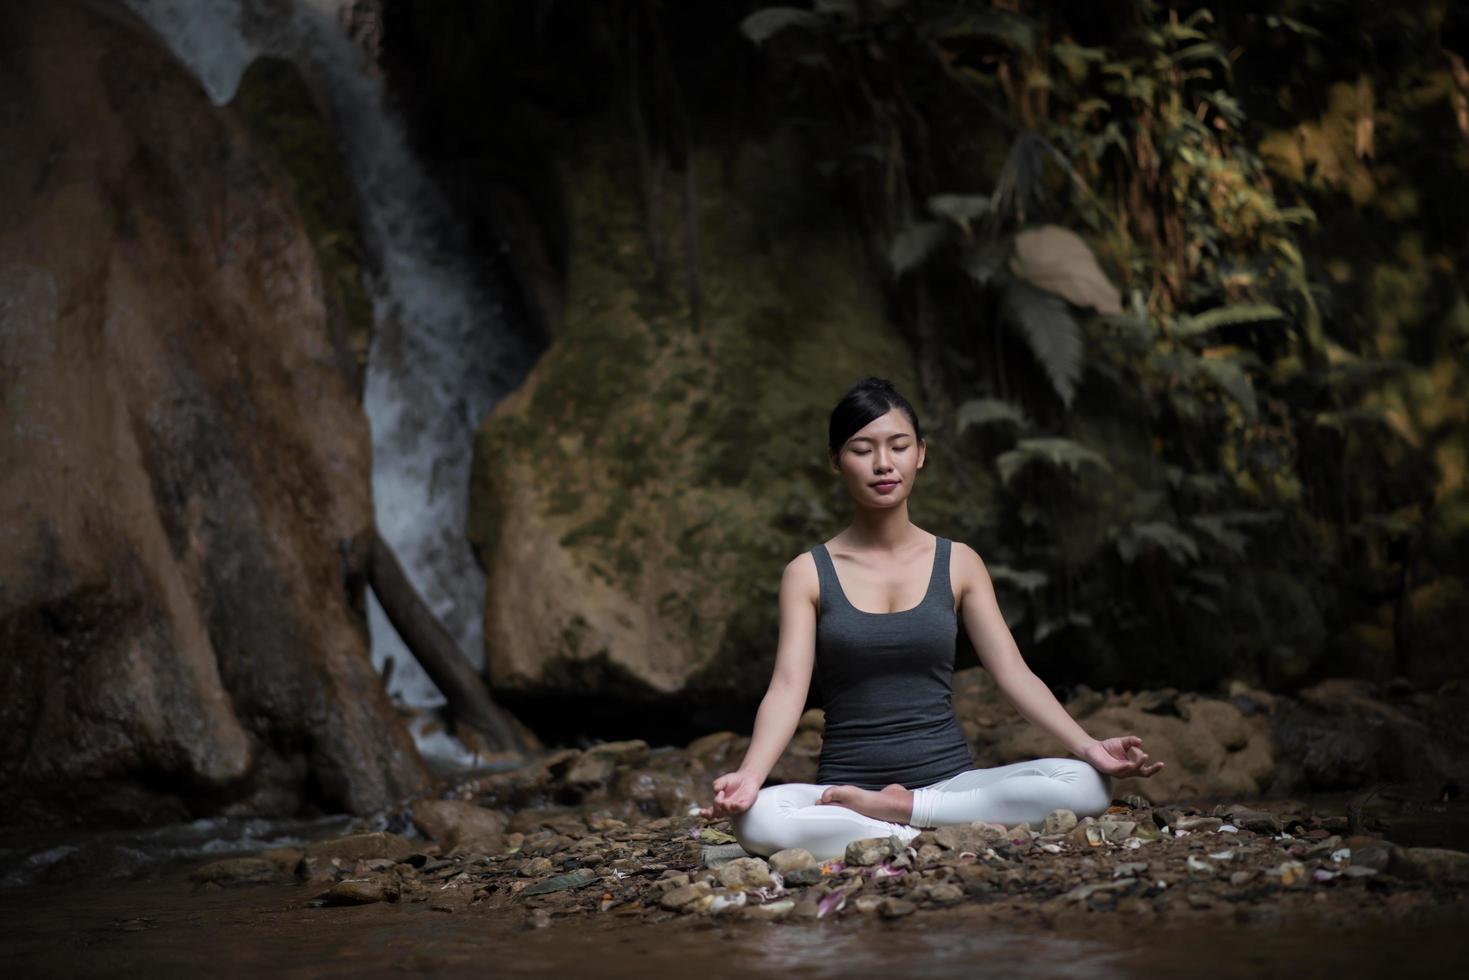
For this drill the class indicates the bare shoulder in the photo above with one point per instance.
(801, 577)
(968, 568)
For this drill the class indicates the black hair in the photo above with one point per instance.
(866, 400)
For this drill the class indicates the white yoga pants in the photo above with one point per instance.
(787, 815)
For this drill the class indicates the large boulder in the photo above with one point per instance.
(633, 503)
(184, 468)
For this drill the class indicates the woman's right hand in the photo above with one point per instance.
(734, 792)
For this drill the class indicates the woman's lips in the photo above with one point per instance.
(885, 486)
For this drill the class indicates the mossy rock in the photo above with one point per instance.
(635, 500)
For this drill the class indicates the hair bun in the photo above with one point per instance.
(881, 384)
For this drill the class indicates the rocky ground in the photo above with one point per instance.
(1267, 863)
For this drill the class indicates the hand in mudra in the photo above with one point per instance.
(734, 792)
(1121, 756)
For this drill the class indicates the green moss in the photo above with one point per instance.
(280, 109)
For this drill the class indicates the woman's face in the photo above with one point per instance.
(880, 460)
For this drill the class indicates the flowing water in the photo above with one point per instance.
(171, 928)
(441, 355)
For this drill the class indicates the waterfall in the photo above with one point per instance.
(441, 356)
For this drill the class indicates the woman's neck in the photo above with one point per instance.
(887, 529)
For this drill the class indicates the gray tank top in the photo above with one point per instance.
(885, 680)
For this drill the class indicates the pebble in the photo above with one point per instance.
(1058, 822)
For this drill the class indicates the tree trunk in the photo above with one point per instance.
(432, 646)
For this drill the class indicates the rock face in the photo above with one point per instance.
(184, 479)
(635, 500)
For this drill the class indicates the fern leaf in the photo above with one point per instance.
(1026, 580)
(765, 24)
(1178, 546)
(1233, 380)
(914, 244)
(1052, 335)
(959, 208)
(983, 411)
(1192, 326)
(1058, 451)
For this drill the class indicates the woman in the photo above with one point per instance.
(875, 611)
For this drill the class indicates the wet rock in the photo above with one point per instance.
(358, 846)
(791, 859)
(579, 878)
(536, 867)
(1198, 824)
(1290, 873)
(284, 858)
(678, 899)
(961, 837)
(1086, 834)
(749, 873)
(868, 904)
(597, 764)
(870, 850)
(724, 900)
(801, 877)
(718, 855)
(363, 891)
(314, 870)
(1058, 822)
(941, 892)
(896, 908)
(770, 910)
(1374, 854)
(459, 826)
(237, 871)
(451, 897)
(1258, 821)
(1431, 864)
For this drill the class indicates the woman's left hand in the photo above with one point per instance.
(1120, 756)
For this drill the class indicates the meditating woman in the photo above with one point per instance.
(875, 611)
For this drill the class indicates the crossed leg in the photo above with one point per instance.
(788, 815)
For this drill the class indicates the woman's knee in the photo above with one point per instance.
(758, 828)
(1090, 788)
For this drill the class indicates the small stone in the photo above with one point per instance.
(1258, 821)
(895, 908)
(717, 855)
(1087, 833)
(1434, 864)
(943, 892)
(802, 877)
(1198, 824)
(749, 873)
(1199, 868)
(724, 901)
(678, 898)
(363, 891)
(869, 850)
(1116, 830)
(1237, 878)
(867, 904)
(1376, 855)
(770, 910)
(536, 867)
(791, 859)
(358, 846)
(236, 871)
(1200, 900)
(1290, 873)
(1058, 822)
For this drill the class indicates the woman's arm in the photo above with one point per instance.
(780, 709)
(795, 655)
(1032, 698)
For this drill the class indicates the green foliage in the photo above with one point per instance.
(1058, 452)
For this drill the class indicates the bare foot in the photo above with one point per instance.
(892, 803)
